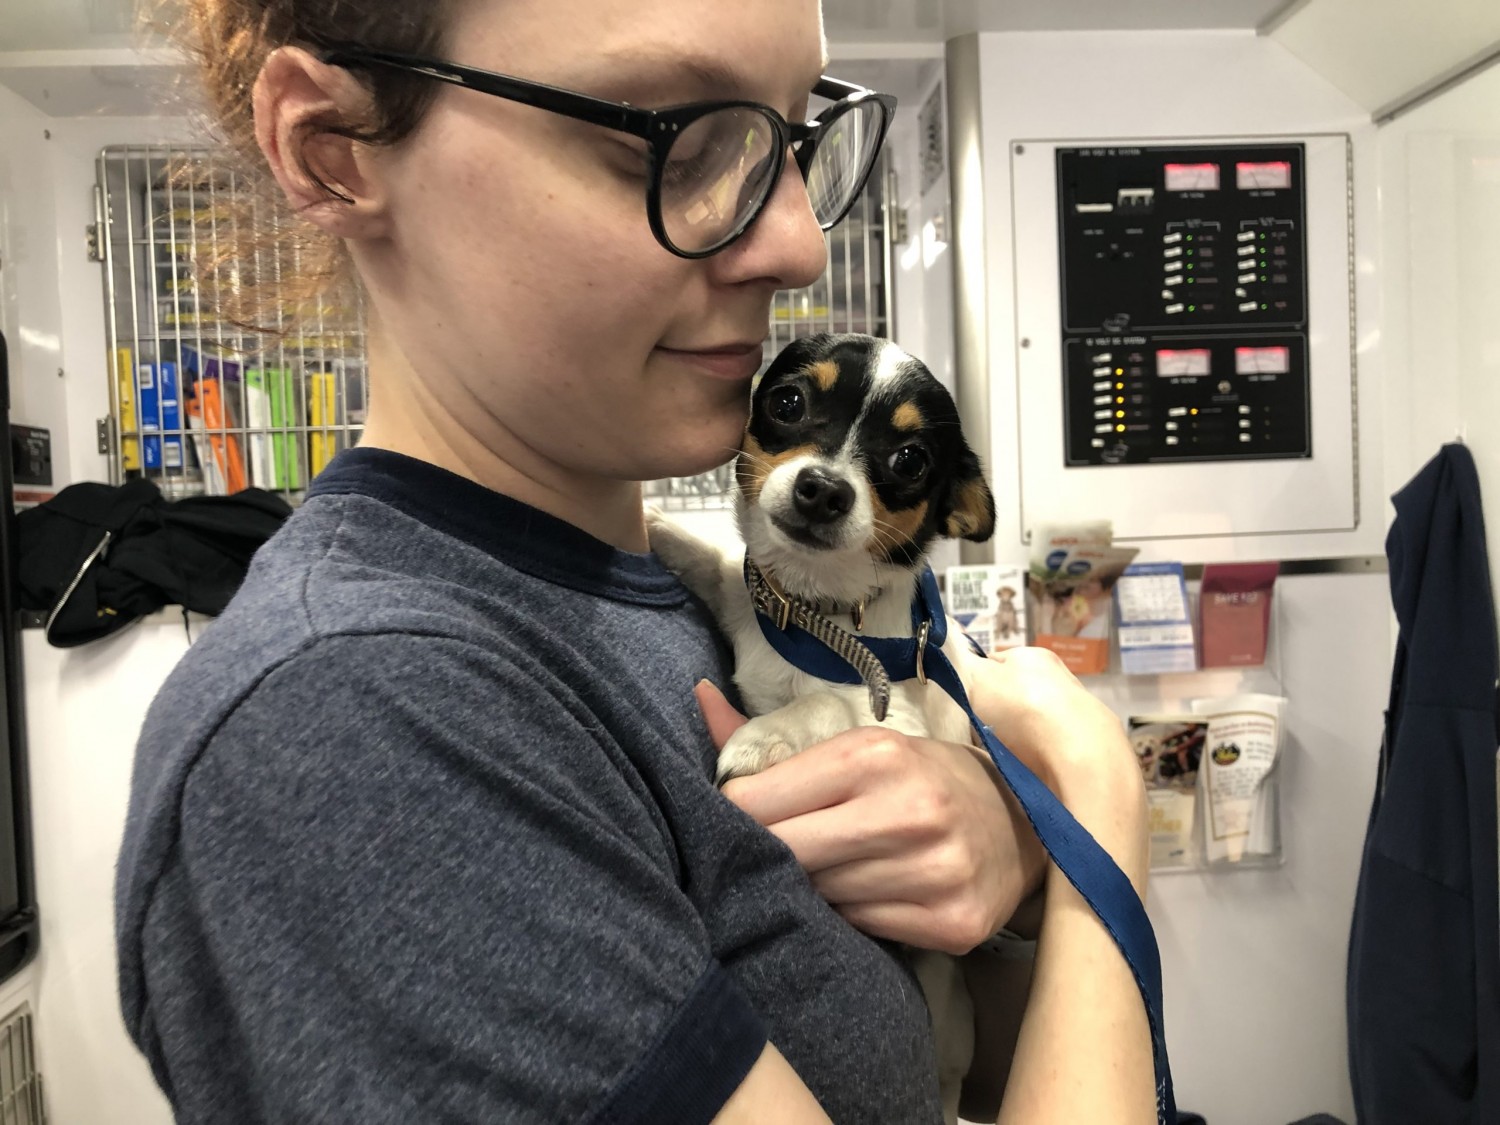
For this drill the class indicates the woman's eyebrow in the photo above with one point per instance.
(645, 75)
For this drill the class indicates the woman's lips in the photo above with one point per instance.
(737, 362)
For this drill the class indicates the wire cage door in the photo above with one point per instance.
(198, 404)
(201, 405)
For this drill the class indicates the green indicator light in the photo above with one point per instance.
(1264, 307)
(1190, 238)
(1190, 265)
(1192, 308)
(1191, 280)
(1262, 277)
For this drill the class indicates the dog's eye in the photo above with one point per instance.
(910, 463)
(786, 405)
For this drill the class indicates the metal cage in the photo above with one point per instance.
(201, 405)
(197, 403)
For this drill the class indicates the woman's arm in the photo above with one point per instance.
(1084, 1048)
(772, 1091)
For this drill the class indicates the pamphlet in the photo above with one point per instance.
(1235, 606)
(1170, 750)
(1154, 624)
(989, 602)
(1244, 738)
(1073, 572)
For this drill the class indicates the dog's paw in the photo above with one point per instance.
(677, 547)
(755, 746)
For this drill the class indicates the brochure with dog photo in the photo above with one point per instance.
(1074, 605)
(1169, 749)
(989, 602)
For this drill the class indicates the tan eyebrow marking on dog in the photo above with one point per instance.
(825, 374)
(893, 530)
(908, 417)
(754, 465)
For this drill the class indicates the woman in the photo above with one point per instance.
(424, 828)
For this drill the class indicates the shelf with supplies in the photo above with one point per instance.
(1204, 710)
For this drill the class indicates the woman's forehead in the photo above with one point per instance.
(651, 50)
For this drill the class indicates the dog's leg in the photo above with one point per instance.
(952, 1009)
(699, 564)
(777, 735)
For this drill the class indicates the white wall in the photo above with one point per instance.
(1440, 257)
(83, 711)
(1254, 962)
(30, 307)
(923, 264)
(84, 708)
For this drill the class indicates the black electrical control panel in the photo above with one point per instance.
(1184, 303)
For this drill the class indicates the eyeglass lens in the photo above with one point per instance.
(718, 172)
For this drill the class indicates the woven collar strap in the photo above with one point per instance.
(807, 640)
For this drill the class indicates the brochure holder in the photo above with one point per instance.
(1176, 747)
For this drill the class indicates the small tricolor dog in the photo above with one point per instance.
(852, 464)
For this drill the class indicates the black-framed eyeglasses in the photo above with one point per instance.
(712, 165)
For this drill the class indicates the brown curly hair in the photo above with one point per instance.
(230, 41)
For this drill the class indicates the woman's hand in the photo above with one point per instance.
(1072, 742)
(909, 839)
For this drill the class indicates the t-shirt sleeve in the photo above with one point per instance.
(414, 881)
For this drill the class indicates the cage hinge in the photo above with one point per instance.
(900, 226)
(101, 432)
(93, 239)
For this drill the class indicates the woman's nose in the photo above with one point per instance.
(785, 242)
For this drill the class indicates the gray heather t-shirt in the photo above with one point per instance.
(423, 829)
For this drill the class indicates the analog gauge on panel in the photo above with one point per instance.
(1271, 175)
(1192, 177)
(1262, 361)
(1179, 362)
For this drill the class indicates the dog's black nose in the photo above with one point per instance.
(821, 497)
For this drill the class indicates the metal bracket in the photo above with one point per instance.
(93, 237)
(900, 227)
(102, 431)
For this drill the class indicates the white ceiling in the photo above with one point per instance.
(72, 57)
(52, 25)
(36, 25)
(933, 21)
(1378, 51)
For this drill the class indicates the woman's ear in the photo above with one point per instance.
(328, 179)
(969, 507)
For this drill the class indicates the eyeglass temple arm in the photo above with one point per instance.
(611, 115)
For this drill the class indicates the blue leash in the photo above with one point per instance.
(1087, 866)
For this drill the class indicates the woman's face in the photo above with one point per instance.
(520, 278)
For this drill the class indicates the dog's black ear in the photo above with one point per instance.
(969, 506)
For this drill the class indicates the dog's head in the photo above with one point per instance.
(854, 457)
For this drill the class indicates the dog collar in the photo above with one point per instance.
(783, 607)
(805, 638)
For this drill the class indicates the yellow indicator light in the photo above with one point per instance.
(1194, 410)
(1119, 371)
(1119, 386)
(1119, 413)
(1119, 400)
(1119, 429)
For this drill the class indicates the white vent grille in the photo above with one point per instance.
(20, 1083)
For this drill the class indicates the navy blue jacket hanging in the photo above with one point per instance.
(1423, 988)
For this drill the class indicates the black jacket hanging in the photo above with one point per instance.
(1424, 954)
(97, 557)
